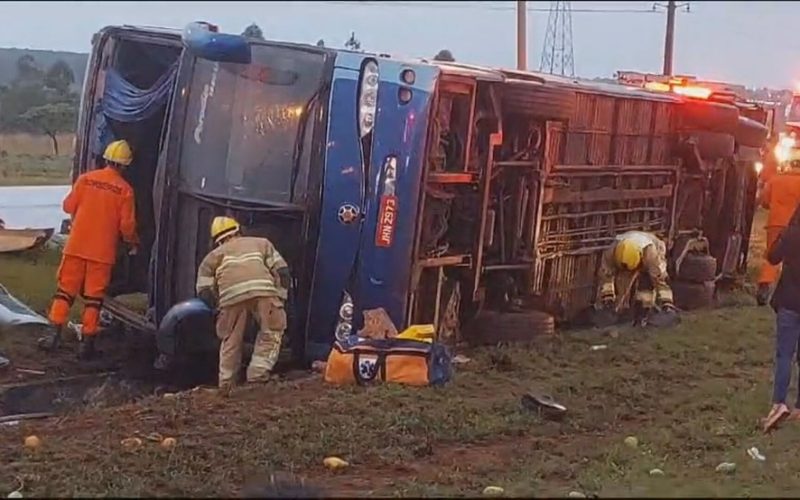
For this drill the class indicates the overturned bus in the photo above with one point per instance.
(440, 192)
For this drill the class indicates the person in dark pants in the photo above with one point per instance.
(786, 303)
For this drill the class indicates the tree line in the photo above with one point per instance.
(39, 100)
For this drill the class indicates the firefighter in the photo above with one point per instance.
(781, 195)
(244, 276)
(633, 252)
(101, 205)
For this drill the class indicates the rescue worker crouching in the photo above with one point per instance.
(101, 206)
(632, 253)
(244, 276)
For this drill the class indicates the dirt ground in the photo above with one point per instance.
(691, 395)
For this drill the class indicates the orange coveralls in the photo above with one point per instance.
(781, 195)
(101, 204)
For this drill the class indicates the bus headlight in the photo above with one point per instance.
(368, 97)
(344, 327)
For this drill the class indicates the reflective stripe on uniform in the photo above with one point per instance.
(255, 285)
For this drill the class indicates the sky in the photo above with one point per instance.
(750, 43)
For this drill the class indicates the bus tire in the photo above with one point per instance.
(714, 145)
(750, 133)
(691, 296)
(698, 268)
(549, 101)
(493, 327)
(709, 116)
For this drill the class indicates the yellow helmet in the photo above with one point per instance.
(222, 227)
(119, 152)
(628, 254)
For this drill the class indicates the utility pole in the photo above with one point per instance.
(669, 37)
(522, 35)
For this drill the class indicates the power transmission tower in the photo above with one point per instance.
(557, 54)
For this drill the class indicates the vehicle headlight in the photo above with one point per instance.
(344, 328)
(368, 97)
(758, 166)
(783, 149)
(346, 312)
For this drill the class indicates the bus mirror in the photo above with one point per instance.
(202, 40)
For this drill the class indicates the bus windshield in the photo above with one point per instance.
(243, 124)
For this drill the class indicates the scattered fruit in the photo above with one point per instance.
(335, 463)
(631, 442)
(169, 443)
(131, 443)
(32, 442)
(493, 491)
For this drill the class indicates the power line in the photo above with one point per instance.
(476, 5)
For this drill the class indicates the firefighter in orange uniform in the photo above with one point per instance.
(781, 195)
(101, 205)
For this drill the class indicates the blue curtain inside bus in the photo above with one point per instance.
(124, 102)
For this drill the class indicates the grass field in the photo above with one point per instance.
(34, 170)
(691, 395)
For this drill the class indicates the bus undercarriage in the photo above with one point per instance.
(530, 177)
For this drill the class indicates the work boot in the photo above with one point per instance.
(762, 295)
(86, 349)
(52, 341)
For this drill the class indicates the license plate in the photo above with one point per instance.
(387, 218)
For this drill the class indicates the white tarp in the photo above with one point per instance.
(14, 313)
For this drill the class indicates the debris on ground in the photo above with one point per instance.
(460, 359)
(576, 494)
(631, 442)
(335, 463)
(755, 454)
(131, 443)
(4, 363)
(726, 467)
(656, 472)
(15, 313)
(318, 366)
(598, 347)
(493, 491)
(543, 404)
(15, 494)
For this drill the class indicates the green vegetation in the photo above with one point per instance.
(691, 395)
(30, 170)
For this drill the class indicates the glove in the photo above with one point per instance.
(285, 278)
(208, 297)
